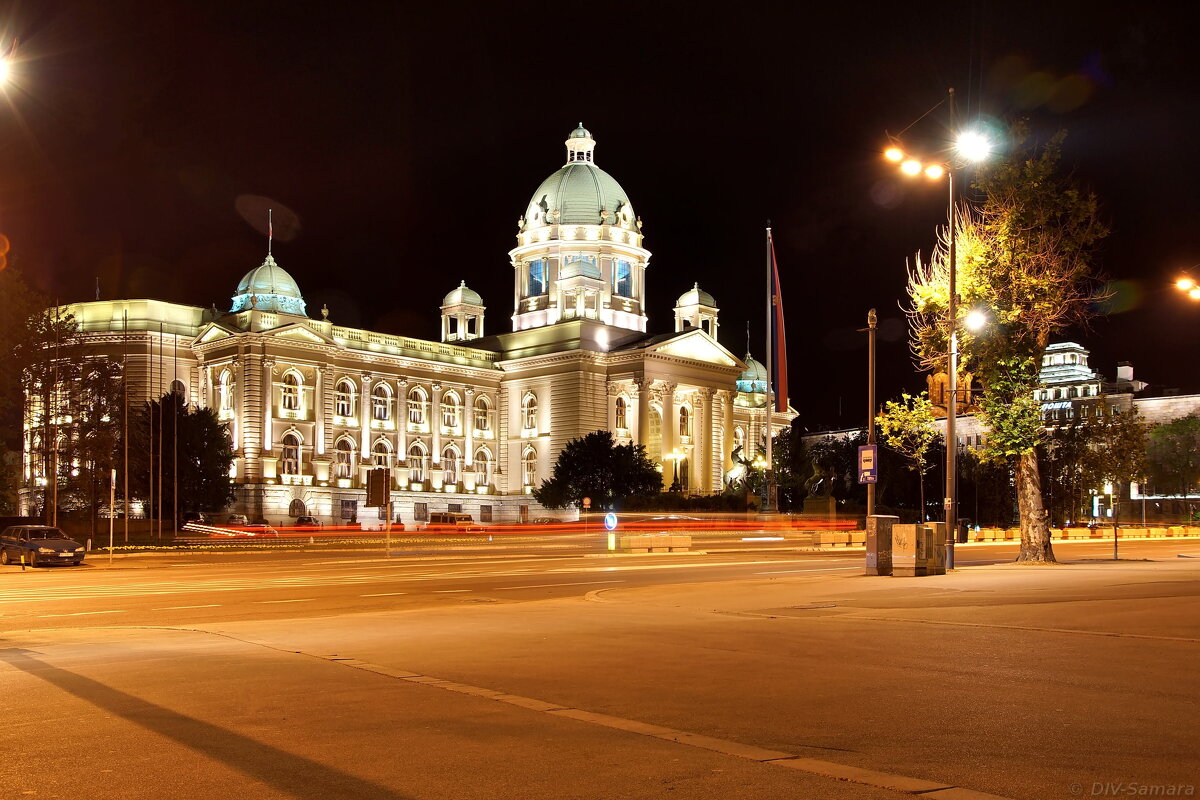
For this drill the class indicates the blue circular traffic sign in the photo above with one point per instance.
(610, 521)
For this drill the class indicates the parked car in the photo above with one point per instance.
(237, 519)
(451, 521)
(41, 545)
(307, 522)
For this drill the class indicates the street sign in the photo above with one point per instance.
(610, 521)
(587, 502)
(868, 464)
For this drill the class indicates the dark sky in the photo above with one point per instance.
(400, 142)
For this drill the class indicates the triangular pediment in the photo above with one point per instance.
(300, 332)
(697, 346)
(213, 332)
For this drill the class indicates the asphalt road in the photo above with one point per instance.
(753, 673)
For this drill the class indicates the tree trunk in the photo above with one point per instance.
(1035, 534)
(921, 494)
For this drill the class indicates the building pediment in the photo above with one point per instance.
(697, 346)
(302, 333)
(213, 332)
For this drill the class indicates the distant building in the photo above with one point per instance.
(469, 423)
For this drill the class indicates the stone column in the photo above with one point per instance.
(402, 423)
(319, 411)
(704, 436)
(668, 425)
(206, 386)
(468, 423)
(364, 415)
(268, 401)
(435, 424)
(642, 434)
(726, 430)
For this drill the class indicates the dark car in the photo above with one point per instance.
(307, 522)
(41, 545)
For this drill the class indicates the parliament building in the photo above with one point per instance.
(472, 422)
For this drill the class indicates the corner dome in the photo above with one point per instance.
(754, 378)
(268, 287)
(696, 296)
(579, 193)
(462, 296)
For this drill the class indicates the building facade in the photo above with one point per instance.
(472, 422)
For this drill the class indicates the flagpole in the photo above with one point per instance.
(770, 476)
(161, 347)
(125, 375)
(175, 435)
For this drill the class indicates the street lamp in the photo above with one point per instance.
(6, 62)
(970, 146)
(1188, 286)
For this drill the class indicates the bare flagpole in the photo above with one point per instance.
(160, 429)
(175, 434)
(770, 388)
(125, 375)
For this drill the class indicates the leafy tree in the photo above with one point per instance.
(192, 438)
(986, 489)
(1025, 255)
(907, 427)
(791, 467)
(1173, 455)
(23, 326)
(1118, 449)
(595, 466)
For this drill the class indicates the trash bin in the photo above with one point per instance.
(964, 529)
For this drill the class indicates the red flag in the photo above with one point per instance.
(778, 339)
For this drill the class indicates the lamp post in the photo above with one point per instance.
(1187, 284)
(969, 146)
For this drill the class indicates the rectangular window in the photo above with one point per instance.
(421, 512)
(537, 279)
(349, 509)
(485, 513)
(454, 508)
(622, 279)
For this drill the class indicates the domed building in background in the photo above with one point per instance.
(475, 421)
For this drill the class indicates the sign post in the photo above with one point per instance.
(868, 464)
(610, 524)
(378, 496)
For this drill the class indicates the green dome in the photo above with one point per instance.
(578, 192)
(268, 287)
(754, 378)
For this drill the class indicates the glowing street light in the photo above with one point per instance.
(1188, 286)
(970, 146)
(975, 320)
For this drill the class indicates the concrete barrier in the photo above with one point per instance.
(654, 543)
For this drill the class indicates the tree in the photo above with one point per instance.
(1026, 257)
(595, 466)
(907, 427)
(1118, 449)
(192, 438)
(1173, 455)
(791, 467)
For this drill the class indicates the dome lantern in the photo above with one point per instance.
(462, 315)
(580, 145)
(696, 308)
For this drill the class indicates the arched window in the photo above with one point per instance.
(289, 399)
(450, 465)
(416, 462)
(622, 413)
(344, 455)
(179, 390)
(529, 412)
(483, 467)
(451, 410)
(417, 402)
(344, 398)
(297, 508)
(685, 421)
(289, 462)
(380, 453)
(483, 414)
(739, 439)
(225, 392)
(529, 467)
(381, 402)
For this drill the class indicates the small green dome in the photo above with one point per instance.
(580, 133)
(754, 378)
(268, 287)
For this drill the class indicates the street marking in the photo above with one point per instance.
(305, 600)
(824, 569)
(79, 614)
(178, 608)
(551, 585)
(383, 594)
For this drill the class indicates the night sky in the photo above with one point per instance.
(398, 144)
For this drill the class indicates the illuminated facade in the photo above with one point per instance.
(472, 422)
